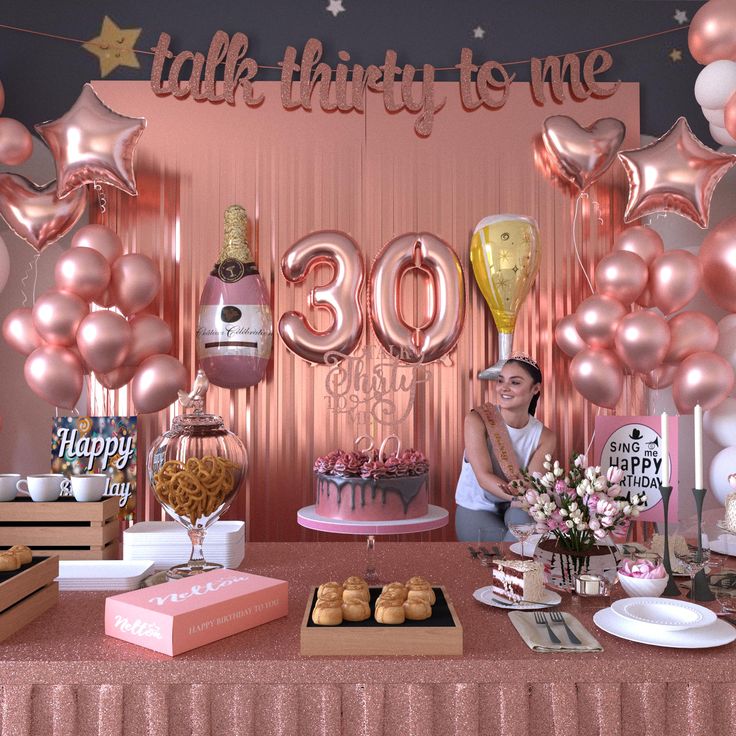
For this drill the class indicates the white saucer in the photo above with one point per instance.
(715, 635)
(724, 545)
(529, 546)
(486, 596)
(665, 613)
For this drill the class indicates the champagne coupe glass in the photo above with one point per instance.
(522, 531)
(694, 558)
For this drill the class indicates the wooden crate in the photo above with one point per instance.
(66, 528)
(370, 638)
(26, 593)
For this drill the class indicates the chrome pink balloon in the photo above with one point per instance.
(567, 338)
(661, 377)
(598, 376)
(105, 300)
(83, 272)
(676, 173)
(643, 241)
(340, 296)
(135, 283)
(57, 316)
(712, 32)
(622, 275)
(150, 336)
(157, 382)
(717, 257)
(103, 340)
(92, 143)
(54, 374)
(2, 97)
(16, 143)
(674, 279)
(19, 332)
(692, 332)
(597, 318)
(581, 155)
(100, 238)
(440, 327)
(35, 213)
(117, 378)
(702, 378)
(642, 340)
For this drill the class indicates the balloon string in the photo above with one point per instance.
(101, 200)
(575, 239)
(592, 437)
(32, 267)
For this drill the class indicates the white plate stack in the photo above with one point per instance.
(103, 574)
(167, 543)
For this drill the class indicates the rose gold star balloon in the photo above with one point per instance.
(676, 173)
(92, 143)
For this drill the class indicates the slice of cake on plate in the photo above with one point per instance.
(518, 580)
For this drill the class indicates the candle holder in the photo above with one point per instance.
(671, 589)
(700, 588)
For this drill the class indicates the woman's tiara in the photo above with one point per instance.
(521, 358)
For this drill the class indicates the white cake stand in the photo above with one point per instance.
(435, 518)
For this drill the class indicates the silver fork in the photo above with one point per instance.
(540, 618)
(558, 618)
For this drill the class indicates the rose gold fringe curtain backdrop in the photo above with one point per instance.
(370, 176)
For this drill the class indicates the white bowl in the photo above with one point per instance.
(642, 587)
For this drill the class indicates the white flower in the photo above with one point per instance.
(627, 509)
(546, 466)
(594, 524)
(614, 475)
(599, 534)
(581, 461)
(569, 524)
(558, 472)
(544, 498)
(563, 512)
(548, 458)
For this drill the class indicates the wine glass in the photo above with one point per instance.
(522, 531)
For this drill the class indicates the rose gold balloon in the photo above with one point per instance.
(622, 275)
(100, 238)
(150, 336)
(642, 340)
(702, 378)
(674, 279)
(643, 241)
(19, 332)
(116, 379)
(598, 376)
(157, 382)
(661, 377)
(729, 115)
(340, 296)
(581, 155)
(16, 143)
(106, 299)
(35, 213)
(567, 338)
(92, 143)
(440, 327)
(54, 374)
(717, 257)
(692, 332)
(597, 318)
(85, 368)
(103, 340)
(57, 316)
(676, 173)
(712, 32)
(135, 282)
(83, 272)
(2, 97)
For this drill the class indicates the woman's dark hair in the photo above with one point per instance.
(536, 376)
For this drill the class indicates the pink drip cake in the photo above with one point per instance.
(361, 486)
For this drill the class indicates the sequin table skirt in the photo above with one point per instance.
(61, 676)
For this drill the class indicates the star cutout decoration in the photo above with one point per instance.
(675, 55)
(114, 46)
(681, 16)
(335, 7)
(504, 255)
(676, 173)
(479, 32)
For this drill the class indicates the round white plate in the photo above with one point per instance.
(724, 545)
(665, 613)
(486, 596)
(715, 635)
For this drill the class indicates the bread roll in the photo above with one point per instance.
(330, 594)
(398, 588)
(331, 585)
(8, 562)
(423, 591)
(417, 610)
(355, 580)
(389, 599)
(327, 613)
(390, 613)
(23, 553)
(356, 592)
(355, 610)
(417, 580)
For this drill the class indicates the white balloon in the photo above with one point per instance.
(715, 115)
(724, 463)
(4, 264)
(720, 423)
(727, 323)
(715, 84)
(721, 135)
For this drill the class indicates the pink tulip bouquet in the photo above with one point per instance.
(579, 507)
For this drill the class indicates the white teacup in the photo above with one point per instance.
(8, 489)
(42, 488)
(88, 488)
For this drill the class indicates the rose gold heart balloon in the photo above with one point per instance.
(581, 155)
(35, 213)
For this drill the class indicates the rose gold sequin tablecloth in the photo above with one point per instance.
(62, 676)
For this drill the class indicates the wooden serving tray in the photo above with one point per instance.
(442, 634)
(26, 593)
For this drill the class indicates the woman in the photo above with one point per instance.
(499, 440)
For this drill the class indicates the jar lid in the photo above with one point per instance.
(184, 422)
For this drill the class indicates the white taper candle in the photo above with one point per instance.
(664, 468)
(698, 433)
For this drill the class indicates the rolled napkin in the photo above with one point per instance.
(536, 637)
(642, 569)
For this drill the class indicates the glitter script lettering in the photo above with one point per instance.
(210, 587)
(137, 627)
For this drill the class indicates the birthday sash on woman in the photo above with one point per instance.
(498, 437)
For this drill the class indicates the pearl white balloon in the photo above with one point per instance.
(724, 463)
(715, 84)
(715, 115)
(4, 264)
(727, 323)
(720, 423)
(721, 135)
